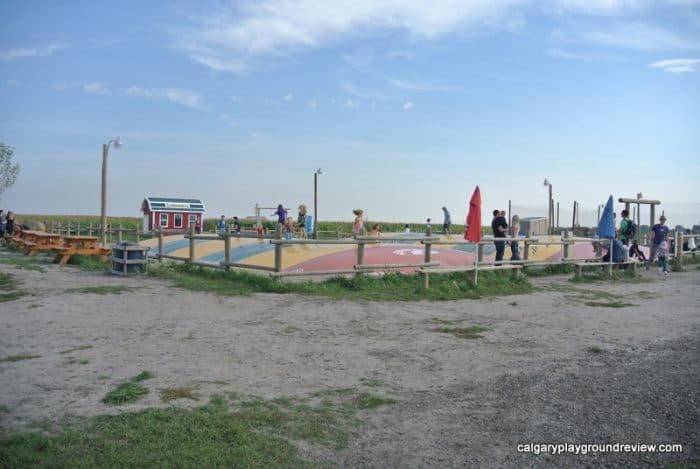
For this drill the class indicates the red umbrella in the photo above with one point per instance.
(473, 231)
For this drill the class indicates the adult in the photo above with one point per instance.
(446, 221)
(358, 225)
(2, 224)
(10, 223)
(514, 233)
(301, 221)
(236, 225)
(659, 234)
(625, 224)
(618, 249)
(499, 226)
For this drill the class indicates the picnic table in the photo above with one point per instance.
(87, 245)
(36, 241)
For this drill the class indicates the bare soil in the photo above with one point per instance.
(531, 378)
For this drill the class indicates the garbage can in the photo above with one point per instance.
(129, 258)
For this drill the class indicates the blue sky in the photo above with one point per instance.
(405, 105)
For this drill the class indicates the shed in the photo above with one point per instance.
(169, 213)
(533, 226)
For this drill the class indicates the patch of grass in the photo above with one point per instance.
(19, 357)
(4, 409)
(143, 376)
(372, 382)
(7, 282)
(602, 276)
(443, 321)
(124, 394)
(129, 391)
(34, 306)
(73, 361)
(172, 394)
(90, 263)
(595, 349)
(75, 349)
(249, 433)
(103, 290)
(473, 332)
(12, 296)
(388, 287)
(611, 304)
(26, 263)
(548, 270)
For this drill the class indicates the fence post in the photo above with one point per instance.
(68, 233)
(138, 235)
(90, 229)
(361, 253)
(278, 248)
(160, 245)
(77, 230)
(567, 247)
(191, 259)
(480, 252)
(119, 236)
(679, 250)
(227, 251)
(526, 254)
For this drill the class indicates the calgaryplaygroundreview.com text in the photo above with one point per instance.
(588, 448)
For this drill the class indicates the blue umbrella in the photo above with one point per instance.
(606, 224)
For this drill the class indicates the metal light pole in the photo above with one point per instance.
(103, 214)
(316, 173)
(550, 206)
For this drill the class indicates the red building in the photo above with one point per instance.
(172, 213)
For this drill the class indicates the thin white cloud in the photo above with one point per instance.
(239, 35)
(230, 121)
(174, 95)
(348, 104)
(636, 36)
(236, 99)
(584, 57)
(677, 66)
(288, 97)
(41, 51)
(97, 88)
(313, 103)
(407, 106)
(11, 82)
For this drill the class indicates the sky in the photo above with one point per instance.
(405, 106)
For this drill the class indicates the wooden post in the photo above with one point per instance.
(679, 250)
(227, 251)
(480, 252)
(119, 236)
(191, 258)
(652, 209)
(138, 235)
(90, 229)
(526, 253)
(567, 246)
(426, 258)
(361, 253)
(77, 229)
(68, 233)
(160, 245)
(278, 249)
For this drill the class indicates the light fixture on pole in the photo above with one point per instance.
(316, 173)
(550, 209)
(117, 143)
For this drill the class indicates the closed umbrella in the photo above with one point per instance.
(606, 225)
(606, 228)
(473, 231)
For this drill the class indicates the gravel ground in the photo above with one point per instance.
(531, 378)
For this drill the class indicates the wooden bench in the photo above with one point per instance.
(578, 267)
(472, 270)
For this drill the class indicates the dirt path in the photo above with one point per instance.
(462, 402)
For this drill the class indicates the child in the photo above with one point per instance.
(376, 230)
(221, 226)
(301, 221)
(406, 229)
(358, 226)
(662, 253)
(636, 252)
(236, 225)
(289, 228)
